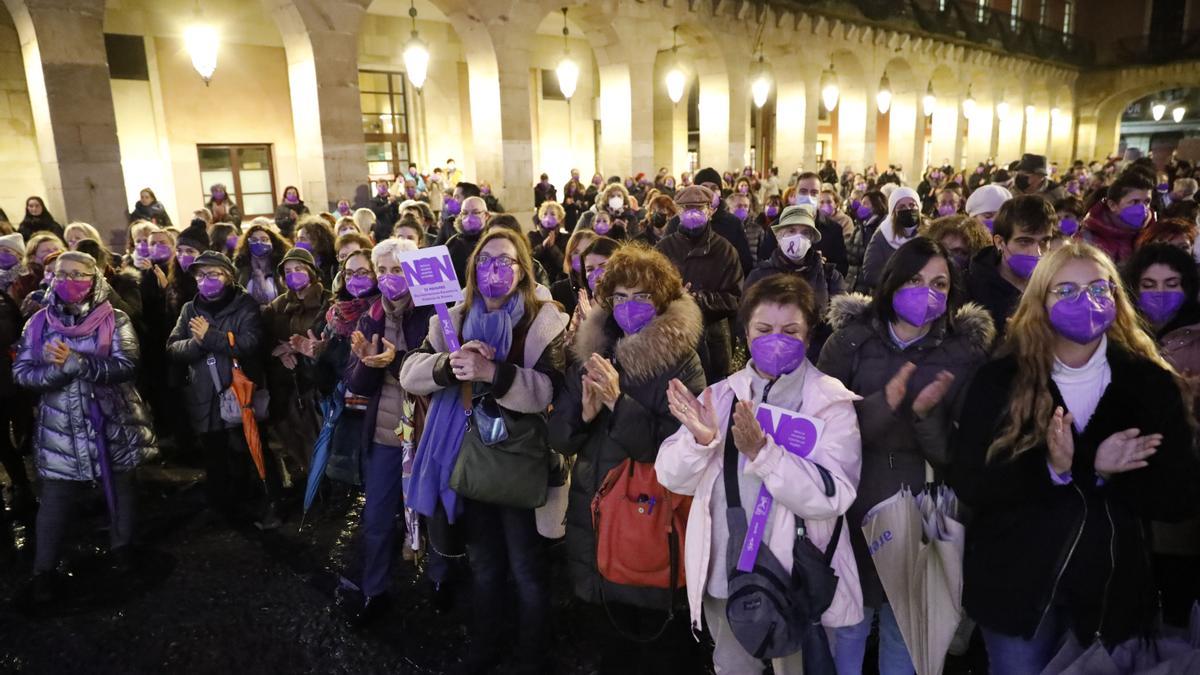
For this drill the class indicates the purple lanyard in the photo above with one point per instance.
(794, 433)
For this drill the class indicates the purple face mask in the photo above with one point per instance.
(827, 209)
(393, 286)
(1084, 318)
(142, 250)
(549, 222)
(210, 287)
(218, 195)
(1022, 265)
(160, 253)
(8, 259)
(918, 305)
(593, 278)
(260, 248)
(634, 315)
(576, 264)
(1134, 215)
(863, 211)
(494, 280)
(947, 210)
(304, 245)
(72, 291)
(693, 220)
(1160, 306)
(987, 222)
(771, 211)
(741, 212)
(1068, 226)
(360, 286)
(343, 209)
(291, 198)
(297, 281)
(777, 353)
(185, 261)
(451, 206)
(472, 223)
(602, 226)
(231, 242)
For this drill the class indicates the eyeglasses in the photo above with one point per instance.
(214, 274)
(358, 274)
(73, 276)
(622, 298)
(501, 260)
(1096, 289)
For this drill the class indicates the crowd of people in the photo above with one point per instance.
(1025, 334)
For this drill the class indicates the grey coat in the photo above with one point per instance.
(896, 444)
(64, 439)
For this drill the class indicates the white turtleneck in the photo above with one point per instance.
(1082, 387)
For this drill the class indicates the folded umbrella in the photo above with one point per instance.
(103, 460)
(243, 391)
(331, 411)
(1171, 653)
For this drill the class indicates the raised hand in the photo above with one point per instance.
(605, 377)
(591, 400)
(56, 352)
(932, 394)
(748, 436)
(1061, 441)
(381, 359)
(361, 348)
(309, 345)
(160, 277)
(1125, 451)
(696, 415)
(199, 327)
(897, 387)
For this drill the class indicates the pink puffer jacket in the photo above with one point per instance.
(686, 467)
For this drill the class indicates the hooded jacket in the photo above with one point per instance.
(641, 420)
(897, 444)
(710, 265)
(64, 439)
(1105, 230)
(234, 312)
(1083, 546)
(797, 484)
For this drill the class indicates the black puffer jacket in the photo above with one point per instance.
(64, 439)
(233, 312)
(856, 252)
(896, 445)
(646, 361)
(986, 287)
(1082, 546)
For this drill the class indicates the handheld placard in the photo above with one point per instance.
(432, 281)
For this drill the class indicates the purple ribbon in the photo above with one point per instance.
(448, 331)
(797, 435)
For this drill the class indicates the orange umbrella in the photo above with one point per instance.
(243, 390)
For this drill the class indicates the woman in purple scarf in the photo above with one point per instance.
(80, 355)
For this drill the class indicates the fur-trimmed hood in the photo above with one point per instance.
(660, 345)
(971, 320)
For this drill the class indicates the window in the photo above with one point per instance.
(385, 122)
(126, 57)
(1042, 12)
(1067, 11)
(1015, 13)
(981, 11)
(550, 89)
(247, 173)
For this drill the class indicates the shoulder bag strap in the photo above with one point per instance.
(802, 528)
(730, 470)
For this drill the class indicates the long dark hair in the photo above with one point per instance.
(1171, 256)
(241, 257)
(904, 264)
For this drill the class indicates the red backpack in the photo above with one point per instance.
(639, 528)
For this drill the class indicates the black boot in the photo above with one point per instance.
(369, 611)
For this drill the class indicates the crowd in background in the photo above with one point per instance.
(1026, 333)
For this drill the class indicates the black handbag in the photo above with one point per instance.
(504, 459)
(772, 613)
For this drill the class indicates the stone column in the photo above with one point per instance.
(791, 121)
(516, 131)
(320, 38)
(66, 71)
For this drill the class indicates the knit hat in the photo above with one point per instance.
(987, 199)
(798, 214)
(694, 195)
(196, 235)
(214, 259)
(900, 193)
(707, 175)
(14, 241)
(302, 256)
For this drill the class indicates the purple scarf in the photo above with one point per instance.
(100, 321)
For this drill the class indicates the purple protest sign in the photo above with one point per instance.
(432, 281)
(798, 435)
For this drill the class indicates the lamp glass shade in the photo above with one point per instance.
(675, 83)
(201, 42)
(568, 76)
(416, 61)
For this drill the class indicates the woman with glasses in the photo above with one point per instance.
(909, 352)
(613, 407)
(1075, 436)
(80, 355)
(511, 353)
(200, 342)
(900, 225)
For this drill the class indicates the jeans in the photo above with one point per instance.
(1013, 655)
(501, 540)
(57, 504)
(850, 645)
(384, 472)
(445, 550)
(729, 657)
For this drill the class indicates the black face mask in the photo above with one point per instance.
(906, 222)
(1021, 182)
(658, 220)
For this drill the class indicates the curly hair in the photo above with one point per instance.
(972, 232)
(320, 234)
(241, 257)
(1166, 230)
(637, 266)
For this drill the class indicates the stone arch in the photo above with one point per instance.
(906, 124)
(851, 114)
(1037, 119)
(1009, 125)
(982, 122)
(945, 137)
(1062, 124)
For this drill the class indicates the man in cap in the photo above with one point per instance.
(1032, 178)
(712, 273)
(725, 223)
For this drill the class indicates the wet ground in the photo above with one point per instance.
(207, 597)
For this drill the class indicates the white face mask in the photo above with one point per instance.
(805, 199)
(795, 246)
(615, 203)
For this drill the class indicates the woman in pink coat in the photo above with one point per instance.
(778, 314)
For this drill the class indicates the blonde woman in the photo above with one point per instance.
(78, 231)
(1070, 440)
